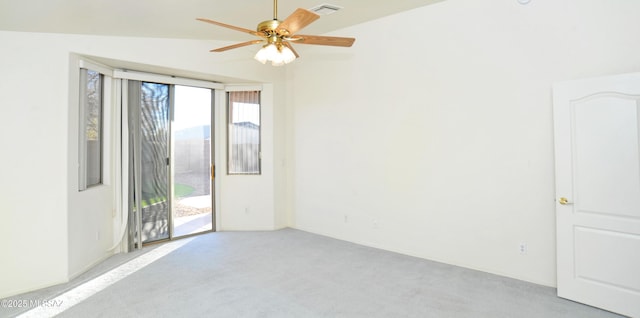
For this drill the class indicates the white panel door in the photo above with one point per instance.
(597, 148)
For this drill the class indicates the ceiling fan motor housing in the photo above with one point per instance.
(268, 27)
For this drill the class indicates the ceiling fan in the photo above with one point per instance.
(278, 36)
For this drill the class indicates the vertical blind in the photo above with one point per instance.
(243, 114)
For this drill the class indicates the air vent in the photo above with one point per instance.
(325, 9)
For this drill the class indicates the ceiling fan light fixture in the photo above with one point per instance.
(287, 55)
(265, 53)
(276, 54)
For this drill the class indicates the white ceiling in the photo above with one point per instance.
(176, 19)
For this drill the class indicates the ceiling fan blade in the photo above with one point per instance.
(235, 46)
(296, 21)
(228, 26)
(287, 44)
(323, 40)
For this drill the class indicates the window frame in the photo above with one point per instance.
(228, 91)
(105, 99)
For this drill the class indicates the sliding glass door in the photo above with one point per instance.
(170, 161)
(191, 153)
(154, 146)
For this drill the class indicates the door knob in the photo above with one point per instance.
(564, 201)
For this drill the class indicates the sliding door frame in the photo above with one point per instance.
(218, 93)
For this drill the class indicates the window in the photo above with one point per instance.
(243, 119)
(91, 124)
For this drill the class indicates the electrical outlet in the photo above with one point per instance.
(522, 248)
(346, 218)
(246, 210)
(376, 224)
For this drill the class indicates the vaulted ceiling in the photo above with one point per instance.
(176, 19)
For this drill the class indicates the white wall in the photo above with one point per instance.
(48, 229)
(247, 201)
(33, 125)
(433, 137)
(89, 214)
(281, 151)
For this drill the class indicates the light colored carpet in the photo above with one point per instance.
(291, 273)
